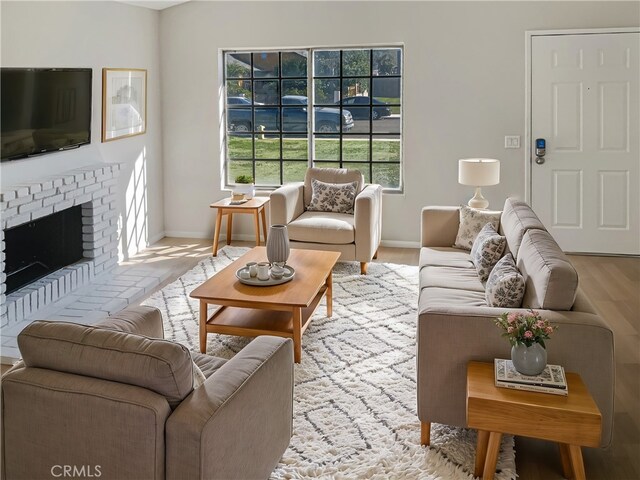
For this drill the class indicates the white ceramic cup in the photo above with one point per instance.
(253, 269)
(244, 273)
(277, 272)
(263, 271)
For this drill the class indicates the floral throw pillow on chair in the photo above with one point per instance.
(332, 197)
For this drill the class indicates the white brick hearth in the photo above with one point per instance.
(94, 187)
(85, 291)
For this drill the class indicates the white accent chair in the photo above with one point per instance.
(356, 237)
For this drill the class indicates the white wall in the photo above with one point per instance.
(95, 35)
(463, 88)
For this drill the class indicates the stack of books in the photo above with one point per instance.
(551, 380)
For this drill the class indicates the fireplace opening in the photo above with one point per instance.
(38, 248)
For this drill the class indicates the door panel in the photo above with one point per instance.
(585, 103)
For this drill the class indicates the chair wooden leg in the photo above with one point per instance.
(363, 268)
(425, 433)
(375, 255)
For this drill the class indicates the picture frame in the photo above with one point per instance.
(124, 103)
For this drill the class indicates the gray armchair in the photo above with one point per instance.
(118, 402)
(356, 237)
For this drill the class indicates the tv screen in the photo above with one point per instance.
(44, 110)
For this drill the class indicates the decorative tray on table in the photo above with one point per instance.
(288, 275)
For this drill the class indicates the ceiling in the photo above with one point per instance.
(154, 4)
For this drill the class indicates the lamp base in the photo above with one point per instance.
(478, 201)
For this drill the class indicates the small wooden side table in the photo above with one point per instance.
(572, 421)
(254, 206)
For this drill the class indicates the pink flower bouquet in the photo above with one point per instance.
(525, 328)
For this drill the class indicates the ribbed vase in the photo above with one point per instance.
(278, 245)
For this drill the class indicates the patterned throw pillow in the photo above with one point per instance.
(487, 250)
(471, 222)
(505, 286)
(332, 197)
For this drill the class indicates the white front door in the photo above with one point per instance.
(584, 103)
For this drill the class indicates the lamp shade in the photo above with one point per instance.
(478, 172)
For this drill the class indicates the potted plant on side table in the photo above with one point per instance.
(244, 185)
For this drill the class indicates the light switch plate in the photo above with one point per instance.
(512, 141)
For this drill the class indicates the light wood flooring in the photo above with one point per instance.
(612, 284)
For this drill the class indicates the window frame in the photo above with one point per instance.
(310, 133)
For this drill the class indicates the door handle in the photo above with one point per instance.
(540, 160)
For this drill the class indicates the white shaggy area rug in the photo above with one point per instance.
(355, 390)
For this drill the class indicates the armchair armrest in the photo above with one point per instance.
(439, 226)
(140, 320)
(368, 222)
(239, 422)
(287, 203)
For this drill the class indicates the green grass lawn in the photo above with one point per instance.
(355, 155)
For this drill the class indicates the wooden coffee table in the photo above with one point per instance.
(283, 310)
(571, 421)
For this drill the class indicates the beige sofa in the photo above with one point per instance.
(356, 236)
(455, 324)
(118, 402)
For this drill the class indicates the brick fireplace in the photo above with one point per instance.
(93, 188)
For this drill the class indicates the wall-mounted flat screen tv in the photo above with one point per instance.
(44, 110)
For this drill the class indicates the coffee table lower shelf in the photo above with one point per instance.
(267, 320)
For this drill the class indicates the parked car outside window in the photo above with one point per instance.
(379, 110)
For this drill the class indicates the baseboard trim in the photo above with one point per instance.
(223, 237)
(399, 244)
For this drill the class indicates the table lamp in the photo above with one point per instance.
(478, 172)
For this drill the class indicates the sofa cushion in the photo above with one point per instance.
(332, 197)
(436, 297)
(207, 364)
(517, 217)
(450, 277)
(141, 320)
(471, 222)
(505, 285)
(445, 257)
(323, 227)
(158, 365)
(331, 175)
(487, 250)
(551, 282)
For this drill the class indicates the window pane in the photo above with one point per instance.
(326, 63)
(239, 92)
(295, 147)
(237, 168)
(327, 120)
(387, 61)
(387, 174)
(267, 92)
(294, 64)
(294, 119)
(355, 148)
(326, 148)
(294, 87)
(385, 121)
(363, 167)
(265, 64)
(268, 173)
(355, 62)
(294, 171)
(238, 65)
(352, 87)
(360, 119)
(386, 90)
(267, 119)
(239, 119)
(326, 91)
(239, 146)
(326, 164)
(267, 146)
(386, 149)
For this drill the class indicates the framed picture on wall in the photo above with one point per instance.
(124, 103)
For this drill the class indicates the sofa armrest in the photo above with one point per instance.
(239, 422)
(140, 320)
(582, 344)
(368, 222)
(439, 226)
(287, 203)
